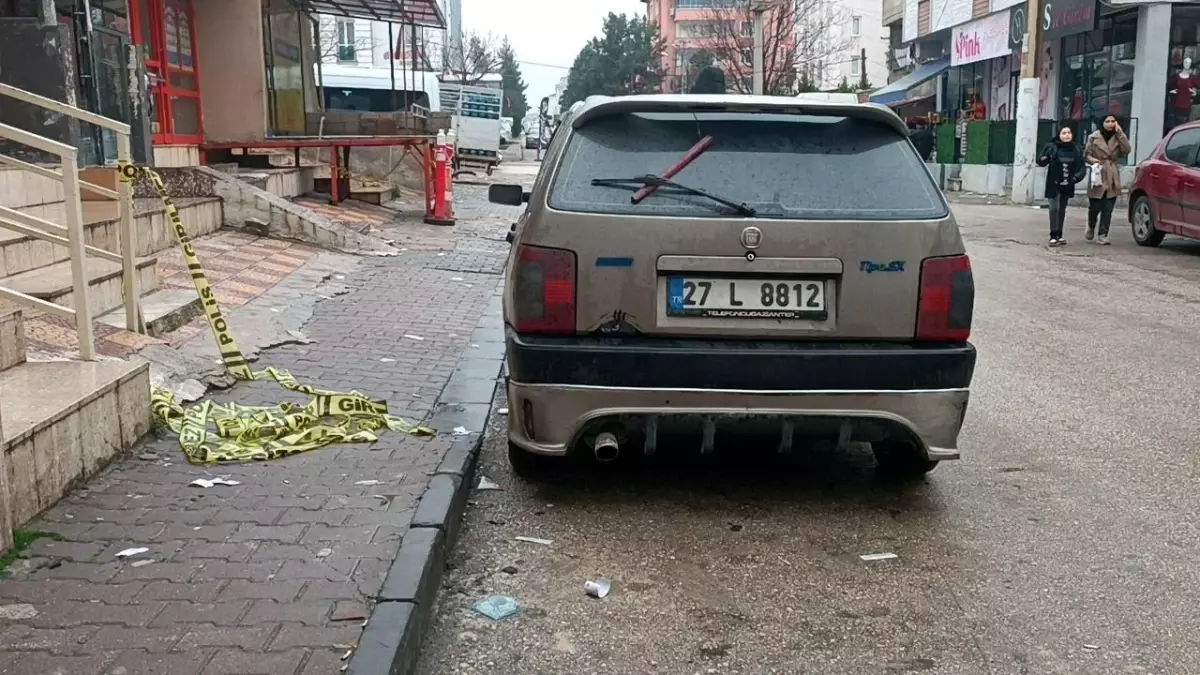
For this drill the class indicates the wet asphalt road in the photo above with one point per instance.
(1064, 541)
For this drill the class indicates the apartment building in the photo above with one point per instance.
(374, 44)
(824, 40)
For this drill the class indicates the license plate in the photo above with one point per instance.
(746, 298)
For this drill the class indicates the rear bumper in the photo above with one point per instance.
(561, 387)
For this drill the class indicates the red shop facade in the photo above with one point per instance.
(164, 31)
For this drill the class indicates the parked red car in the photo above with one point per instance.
(1165, 195)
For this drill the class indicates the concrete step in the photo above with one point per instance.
(53, 283)
(20, 253)
(12, 338)
(372, 195)
(62, 422)
(20, 188)
(163, 311)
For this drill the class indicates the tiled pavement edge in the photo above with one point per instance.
(276, 575)
(391, 643)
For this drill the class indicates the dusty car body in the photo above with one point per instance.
(816, 287)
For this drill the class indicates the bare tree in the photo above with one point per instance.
(330, 47)
(799, 36)
(469, 61)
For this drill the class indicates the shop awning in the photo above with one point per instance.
(898, 90)
(415, 12)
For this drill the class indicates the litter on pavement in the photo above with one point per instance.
(461, 431)
(18, 612)
(869, 557)
(368, 482)
(535, 540)
(597, 588)
(209, 482)
(502, 411)
(486, 484)
(132, 552)
(497, 607)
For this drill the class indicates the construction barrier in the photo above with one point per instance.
(212, 432)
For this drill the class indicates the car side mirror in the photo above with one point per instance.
(512, 195)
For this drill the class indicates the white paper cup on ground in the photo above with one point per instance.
(597, 588)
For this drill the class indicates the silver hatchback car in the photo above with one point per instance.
(696, 264)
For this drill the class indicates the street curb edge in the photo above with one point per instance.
(391, 642)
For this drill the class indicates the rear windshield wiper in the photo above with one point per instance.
(648, 180)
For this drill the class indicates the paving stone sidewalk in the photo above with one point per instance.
(276, 575)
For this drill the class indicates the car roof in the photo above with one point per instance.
(595, 107)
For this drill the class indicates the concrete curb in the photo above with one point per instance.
(391, 641)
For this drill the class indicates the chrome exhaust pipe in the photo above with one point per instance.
(606, 448)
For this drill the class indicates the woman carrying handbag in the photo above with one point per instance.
(1105, 147)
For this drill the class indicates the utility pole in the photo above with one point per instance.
(1025, 151)
(862, 69)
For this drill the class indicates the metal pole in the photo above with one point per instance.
(414, 64)
(392, 64)
(75, 244)
(862, 69)
(1025, 150)
(129, 283)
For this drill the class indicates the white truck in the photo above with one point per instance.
(477, 122)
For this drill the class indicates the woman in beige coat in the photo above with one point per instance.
(1105, 147)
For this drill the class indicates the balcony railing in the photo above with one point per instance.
(72, 235)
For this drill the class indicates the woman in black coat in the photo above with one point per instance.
(1065, 167)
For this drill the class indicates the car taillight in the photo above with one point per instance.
(544, 291)
(947, 299)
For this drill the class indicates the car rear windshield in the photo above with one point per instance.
(784, 166)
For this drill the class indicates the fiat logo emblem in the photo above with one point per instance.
(751, 237)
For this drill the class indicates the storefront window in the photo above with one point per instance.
(966, 88)
(1097, 74)
(1182, 79)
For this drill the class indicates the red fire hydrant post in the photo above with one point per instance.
(439, 207)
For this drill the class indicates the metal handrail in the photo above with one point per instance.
(72, 235)
(63, 109)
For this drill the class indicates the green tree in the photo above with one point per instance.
(515, 103)
(845, 87)
(805, 83)
(625, 59)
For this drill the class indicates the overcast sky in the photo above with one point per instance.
(545, 33)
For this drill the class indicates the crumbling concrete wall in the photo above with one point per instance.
(246, 205)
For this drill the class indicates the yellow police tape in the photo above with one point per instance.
(247, 433)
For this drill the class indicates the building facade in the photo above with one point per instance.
(822, 40)
(1134, 60)
(183, 73)
(375, 44)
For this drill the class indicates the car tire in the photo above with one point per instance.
(901, 460)
(1141, 223)
(530, 465)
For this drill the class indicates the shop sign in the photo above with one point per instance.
(945, 14)
(1061, 18)
(980, 40)
(1018, 25)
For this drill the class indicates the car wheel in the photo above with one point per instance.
(901, 460)
(530, 465)
(1142, 221)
